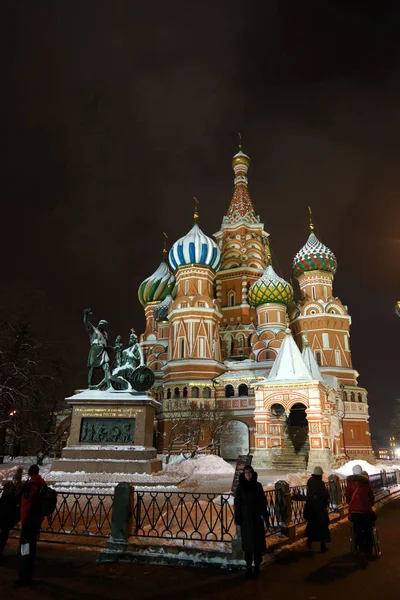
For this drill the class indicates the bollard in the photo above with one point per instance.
(283, 509)
(121, 517)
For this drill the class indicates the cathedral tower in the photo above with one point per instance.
(245, 252)
(194, 353)
(325, 322)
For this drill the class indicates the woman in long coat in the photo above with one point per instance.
(316, 511)
(252, 516)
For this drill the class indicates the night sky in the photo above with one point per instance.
(117, 112)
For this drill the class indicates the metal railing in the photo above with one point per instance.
(80, 515)
(85, 517)
(206, 517)
(183, 515)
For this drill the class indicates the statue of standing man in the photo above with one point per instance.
(98, 357)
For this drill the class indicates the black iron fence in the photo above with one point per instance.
(183, 515)
(86, 518)
(83, 518)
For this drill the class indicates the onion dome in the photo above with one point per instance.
(314, 256)
(270, 288)
(157, 287)
(195, 248)
(161, 311)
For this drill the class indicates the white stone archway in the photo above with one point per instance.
(235, 440)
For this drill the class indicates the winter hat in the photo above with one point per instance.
(357, 470)
(318, 471)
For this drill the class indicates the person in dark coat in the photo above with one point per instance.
(360, 499)
(316, 511)
(251, 515)
(10, 506)
(31, 521)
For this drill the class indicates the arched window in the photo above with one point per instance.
(176, 392)
(267, 355)
(206, 392)
(169, 393)
(352, 397)
(243, 390)
(360, 397)
(195, 392)
(185, 392)
(229, 391)
(231, 298)
(318, 358)
(344, 396)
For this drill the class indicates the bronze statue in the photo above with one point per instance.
(98, 357)
(130, 372)
(127, 362)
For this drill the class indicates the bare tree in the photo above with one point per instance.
(396, 422)
(195, 428)
(28, 382)
(177, 436)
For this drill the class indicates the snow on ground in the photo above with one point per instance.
(347, 468)
(201, 465)
(203, 473)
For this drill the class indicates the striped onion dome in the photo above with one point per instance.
(195, 248)
(161, 311)
(314, 256)
(157, 287)
(270, 288)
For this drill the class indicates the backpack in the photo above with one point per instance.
(47, 500)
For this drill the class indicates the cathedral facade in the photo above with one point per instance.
(223, 328)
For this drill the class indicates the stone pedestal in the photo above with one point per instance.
(111, 432)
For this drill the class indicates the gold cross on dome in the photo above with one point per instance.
(165, 243)
(311, 219)
(196, 209)
(240, 141)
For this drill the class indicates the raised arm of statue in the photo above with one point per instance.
(86, 313)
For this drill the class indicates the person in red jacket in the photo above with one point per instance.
(31, 521)
(360, 499)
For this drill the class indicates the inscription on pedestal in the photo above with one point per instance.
(107, 430)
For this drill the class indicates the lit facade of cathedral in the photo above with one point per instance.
(223, 328)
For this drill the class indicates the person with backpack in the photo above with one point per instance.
(316, 511)
(10, 508)
(360, 499)
(31, 520)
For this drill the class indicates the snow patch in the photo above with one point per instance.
(200, 466)
(347, 468)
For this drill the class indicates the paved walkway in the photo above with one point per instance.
(68, 573)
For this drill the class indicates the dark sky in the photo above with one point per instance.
(117, 112)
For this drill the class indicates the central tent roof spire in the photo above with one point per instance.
(241, 206)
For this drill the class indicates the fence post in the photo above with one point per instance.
(384, 478)
(121, 517)
(397, 476)
(283, 508)
(336, 494)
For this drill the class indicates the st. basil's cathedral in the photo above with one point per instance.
(223, 328)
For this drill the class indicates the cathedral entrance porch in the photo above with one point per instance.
(295, 444)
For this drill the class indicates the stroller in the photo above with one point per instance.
(376, 549)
